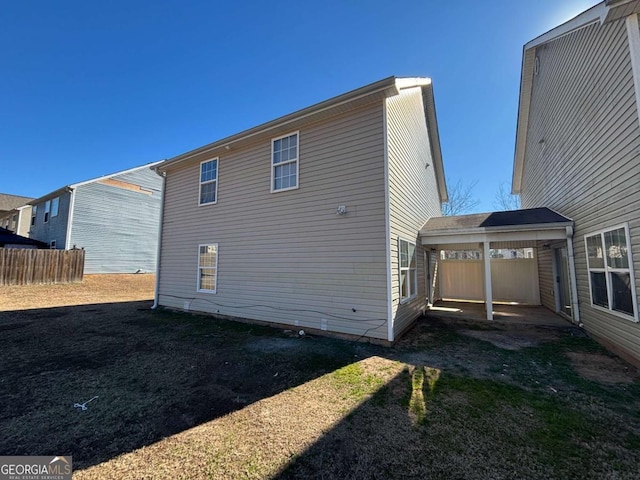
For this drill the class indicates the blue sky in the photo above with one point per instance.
(90, 88)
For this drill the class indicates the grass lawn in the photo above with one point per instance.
(187, 396)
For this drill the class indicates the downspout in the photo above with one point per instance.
(572, 273)
(72, 204)
(159, 248)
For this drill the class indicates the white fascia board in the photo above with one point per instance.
(597, 13)
(411, 82)
(557, 234)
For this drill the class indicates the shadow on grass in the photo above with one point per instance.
(154, 373)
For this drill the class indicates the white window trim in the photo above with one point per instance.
(297, 162)
(608, 269)
(200, 183)
(198, 267)
(52, 244)
(408, 269)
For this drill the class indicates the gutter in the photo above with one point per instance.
(572, 273)
(159, 248)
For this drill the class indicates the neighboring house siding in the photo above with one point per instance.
(413, 194)
(582, 154)
(116, 222)
(287, 257)
(24, 221)
(56, 228)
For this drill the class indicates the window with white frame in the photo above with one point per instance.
(208, 182)
(55, 204)
(208, 268)
(408, 270)
(284, 163)
(611, 279)
(47, 210)
(52, 244)
(34, 214)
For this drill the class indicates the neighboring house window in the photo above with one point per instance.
(408, 270)
(47, 210)
(610, 267)
(54, 206)
(208, 181)
(284, 163)
(52, 244)
(208, 268)
(34, 213)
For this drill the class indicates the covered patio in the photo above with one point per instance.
(481, 274)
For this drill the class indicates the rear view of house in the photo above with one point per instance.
(310, 220)
(578, 152)
(114, 218)
(15, 213)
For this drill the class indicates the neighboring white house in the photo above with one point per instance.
(310, 220)
(578, 152)
(114, 218)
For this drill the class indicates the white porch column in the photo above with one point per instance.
(488, 294)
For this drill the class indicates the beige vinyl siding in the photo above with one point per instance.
(546, 269)
(287, 257)
(582, 155)
(413, 193)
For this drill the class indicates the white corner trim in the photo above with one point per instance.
(633, 34)
(72, 204)
(387, 222)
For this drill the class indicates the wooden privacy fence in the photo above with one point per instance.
(29, 266)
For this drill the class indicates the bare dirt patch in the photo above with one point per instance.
(512, 339)
(602, 368)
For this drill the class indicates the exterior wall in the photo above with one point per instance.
(116, 222)
(56, 228)
(582, 155)
(24, 221)
(413, 194)
(286, 257)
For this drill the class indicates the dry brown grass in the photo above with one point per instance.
(93, 289)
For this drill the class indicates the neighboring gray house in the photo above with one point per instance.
(15, 213)
(310, 220)
(115, 218)
(578, 152)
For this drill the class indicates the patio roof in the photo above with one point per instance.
(514, 225)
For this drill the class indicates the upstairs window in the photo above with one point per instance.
(47, 210)
(611, 279)
(34, 214)
(55, 203)
(209, 182)
(408, 270)
(284, 163)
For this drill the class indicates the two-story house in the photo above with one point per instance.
(578, 152)
(310, 220)
(115, 218)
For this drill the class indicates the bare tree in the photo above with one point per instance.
(505, 200)
(461, 199)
